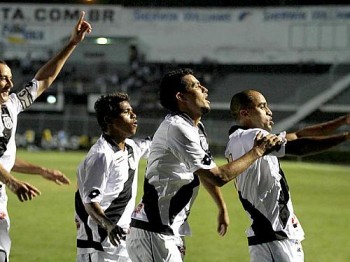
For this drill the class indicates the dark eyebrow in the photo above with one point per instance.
(127, 109)
(196, 83)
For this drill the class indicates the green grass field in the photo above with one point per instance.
(44, 230)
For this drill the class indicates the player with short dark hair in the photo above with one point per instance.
(11, 106)
(179, 159)
(275, 233)
(107, 182)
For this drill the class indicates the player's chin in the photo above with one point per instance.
(3, 98)
(205, 109)
(133, 130)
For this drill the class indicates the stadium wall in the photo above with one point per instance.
(243, 36)
(318, 34)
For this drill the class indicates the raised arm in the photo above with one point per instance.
(22, 166)
(321, 129)
(48, 73)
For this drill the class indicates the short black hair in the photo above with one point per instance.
(170, 85)
(240, 101)
(107, 106)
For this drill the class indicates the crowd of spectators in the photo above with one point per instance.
(139, 78)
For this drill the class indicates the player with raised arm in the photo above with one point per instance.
(11, 106)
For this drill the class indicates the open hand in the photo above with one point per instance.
(116, 234)
(56, 176)
(23, 190)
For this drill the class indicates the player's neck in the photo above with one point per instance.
(115, 141)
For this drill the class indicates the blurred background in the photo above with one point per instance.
(297, 53)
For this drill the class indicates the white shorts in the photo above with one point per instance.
(5, 241)
(146, 246)
(287, 250)
(110, 254)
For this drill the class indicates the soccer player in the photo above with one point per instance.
(11, 106)
(179, 159)
(275, 233)
(107, 183)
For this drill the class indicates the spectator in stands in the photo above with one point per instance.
(46, 139)
(107, 182)
(62, 140)
(179, 157)
(133, 57)
(30, 139)
(11, 106)
(275, 233)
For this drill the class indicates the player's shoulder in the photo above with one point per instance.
(99, 149)
(241, 131)
(132, 142)
(180, 124)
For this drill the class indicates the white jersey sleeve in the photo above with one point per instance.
(17, 103)
(242, 141)
(143, 145)
(188, 147)
(25, 97)
(93, 182)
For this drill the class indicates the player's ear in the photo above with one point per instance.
(243, 113)
(180, 96)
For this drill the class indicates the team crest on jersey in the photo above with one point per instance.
(204, 142)
(6, 119)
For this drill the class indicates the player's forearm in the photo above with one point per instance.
(325, 128)
(52, 68)
(22, 166)
(48, 73)
(233, 169)
(5, 176)
(215, 193)
(97, 214)
(219, 176)
(312, 145)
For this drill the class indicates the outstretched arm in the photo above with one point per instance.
(23, 190)
(322, 129)
(48, 73)
(312, 145)
(215, 193)
(22, 166)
